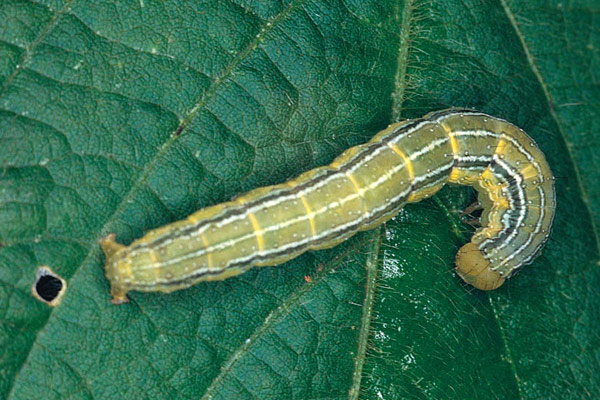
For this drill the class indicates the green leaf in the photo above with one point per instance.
(123, 116)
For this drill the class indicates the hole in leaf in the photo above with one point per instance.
(48, 286)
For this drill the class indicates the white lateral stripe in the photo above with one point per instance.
(262, 205)
(304, 241)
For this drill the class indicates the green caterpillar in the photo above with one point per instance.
(365, 186)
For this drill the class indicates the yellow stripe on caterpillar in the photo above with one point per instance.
(365, 186)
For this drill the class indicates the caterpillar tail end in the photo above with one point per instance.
(474, 269)
(110, 247)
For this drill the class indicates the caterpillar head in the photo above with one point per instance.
(474, 269)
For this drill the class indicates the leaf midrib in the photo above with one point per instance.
(398, 97)
(403, 17)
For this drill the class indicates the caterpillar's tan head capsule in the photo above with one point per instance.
(474, 269)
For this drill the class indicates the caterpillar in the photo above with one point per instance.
(363, 187)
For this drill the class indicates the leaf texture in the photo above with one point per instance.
(123, 116)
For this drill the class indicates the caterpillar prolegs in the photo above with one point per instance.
(363, 187)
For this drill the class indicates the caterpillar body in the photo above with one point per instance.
(363, 187)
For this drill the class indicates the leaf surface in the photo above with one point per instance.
(121, 117)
